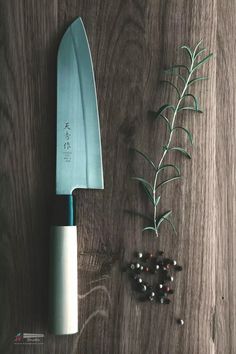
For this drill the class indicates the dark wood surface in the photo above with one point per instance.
(131, 42)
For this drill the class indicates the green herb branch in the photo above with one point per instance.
(152, 190)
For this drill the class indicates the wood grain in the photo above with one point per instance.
(131, 42)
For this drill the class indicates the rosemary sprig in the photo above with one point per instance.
(152, 190)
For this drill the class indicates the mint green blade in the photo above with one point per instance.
(79, 159)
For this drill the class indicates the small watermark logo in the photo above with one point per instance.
(29, 338)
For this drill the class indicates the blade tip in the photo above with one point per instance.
(78, 21)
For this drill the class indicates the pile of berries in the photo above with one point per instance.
(162, 268)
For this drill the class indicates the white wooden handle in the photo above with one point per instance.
(63, 280)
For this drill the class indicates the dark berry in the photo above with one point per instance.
(166, 301)
(178, 268)
(166, 288)
(161, 293)
(142, 287)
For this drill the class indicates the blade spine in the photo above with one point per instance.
(82, 101)
(96, 101)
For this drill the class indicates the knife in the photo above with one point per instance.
(78, 165)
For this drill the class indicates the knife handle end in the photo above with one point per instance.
(63, 281)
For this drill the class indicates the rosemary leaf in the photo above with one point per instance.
(188, 51)
(148, 193)
(189, 108)
(149, 228)
(172, 225)
(146, 157)
(164, 108)
(196, 48)
(197, 79)
(169, 165)
(195, 100)
(199, 52)
(178, 75)
(166, 120)
(187, 132)
(178, 66)
(201, 62)
(162, 218)
(142, 180)
(166, 181)
(181, 150)
(173, 85)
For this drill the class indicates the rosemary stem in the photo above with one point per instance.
(167, 146)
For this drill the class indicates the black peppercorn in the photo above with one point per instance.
(178, 268)
(147, 255)
(166, 301)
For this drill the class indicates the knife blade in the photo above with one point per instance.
(78, 165)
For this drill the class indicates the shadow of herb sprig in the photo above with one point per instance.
(185, 80)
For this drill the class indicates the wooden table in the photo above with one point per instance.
(131, 42)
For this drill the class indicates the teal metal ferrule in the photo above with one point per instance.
(63, 214)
